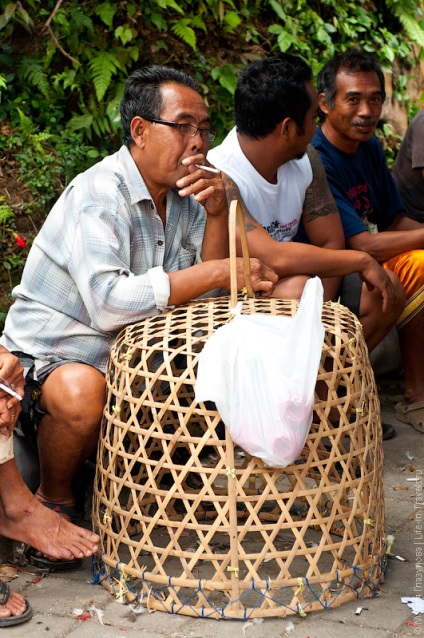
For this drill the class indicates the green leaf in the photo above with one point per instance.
(102, 68)
(226, 77)
(10, 10)
(33, 72)
(24, 16)
(231, 20)
(170, 4)
(412, 28)
(79, 122)
(184, 32)
(278, 9)
(5, 213)
(106, 12)
(124, 34)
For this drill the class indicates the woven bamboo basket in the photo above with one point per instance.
(189, 524)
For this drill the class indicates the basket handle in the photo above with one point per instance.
(236, 213)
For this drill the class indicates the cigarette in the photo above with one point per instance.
(209, 169)
(9, 390)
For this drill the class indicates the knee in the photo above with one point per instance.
(74, 394)
(290, 287)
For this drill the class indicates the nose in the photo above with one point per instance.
(364, 109)
(197, 142)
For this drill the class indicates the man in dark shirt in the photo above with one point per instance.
(351, 95)
(408, 171)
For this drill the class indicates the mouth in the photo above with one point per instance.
(364, 127)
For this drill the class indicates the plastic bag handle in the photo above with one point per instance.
(236, 215)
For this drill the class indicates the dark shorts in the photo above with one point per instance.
(31, 413)
(350, 292)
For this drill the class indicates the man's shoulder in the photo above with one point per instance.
(228, 147)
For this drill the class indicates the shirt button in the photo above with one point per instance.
(160, 242)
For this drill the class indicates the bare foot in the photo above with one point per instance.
(15, 606)
(24, 518)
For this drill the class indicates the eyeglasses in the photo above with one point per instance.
(187, 129)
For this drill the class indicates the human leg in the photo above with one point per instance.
(72, 398)
(23, 518)
(409, 267)
(376, 324)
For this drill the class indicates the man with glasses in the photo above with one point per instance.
(127, 239)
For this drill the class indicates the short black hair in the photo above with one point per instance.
(142, 95)
(270, 90)
(351, 61)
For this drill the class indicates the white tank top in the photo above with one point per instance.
(277, 207)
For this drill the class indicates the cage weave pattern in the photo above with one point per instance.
(191, 525)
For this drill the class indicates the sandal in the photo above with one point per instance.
(8, 621)
(412, 413)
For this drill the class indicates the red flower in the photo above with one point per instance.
(19, 240)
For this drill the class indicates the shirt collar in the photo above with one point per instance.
(136, 186)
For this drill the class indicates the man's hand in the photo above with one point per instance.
(207, 187)
(375, 276)
(263, 278)
(11, 373)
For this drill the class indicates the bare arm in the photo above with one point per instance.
(321, 219)
(404, 234)
(292, 258)
(191, 282)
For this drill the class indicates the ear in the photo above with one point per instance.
(138, 129)
(284, 126)
(322, 104)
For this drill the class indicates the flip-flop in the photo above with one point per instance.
(412, 413)
(51, 565)
(9, 621)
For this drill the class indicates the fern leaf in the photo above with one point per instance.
(80, 20)
(412, 28)
(79, 122)
(185, 33)
(170, 4)
(33, 72)
(102, 68)
(196, 22)
(5, 213)
(25, 124)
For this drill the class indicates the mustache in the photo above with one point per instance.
(364, 121)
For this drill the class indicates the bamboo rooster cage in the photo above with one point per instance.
(189, 524)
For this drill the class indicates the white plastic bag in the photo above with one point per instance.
(261, 370)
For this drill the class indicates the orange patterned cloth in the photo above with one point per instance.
(409, 267)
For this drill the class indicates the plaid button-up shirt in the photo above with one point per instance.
(99, 263)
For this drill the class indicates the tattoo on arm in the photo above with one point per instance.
(233, 192)
(319, 201)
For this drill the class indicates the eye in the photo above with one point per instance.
(186, 129)
(377, 99)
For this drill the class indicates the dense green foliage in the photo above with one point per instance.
(63, 64)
